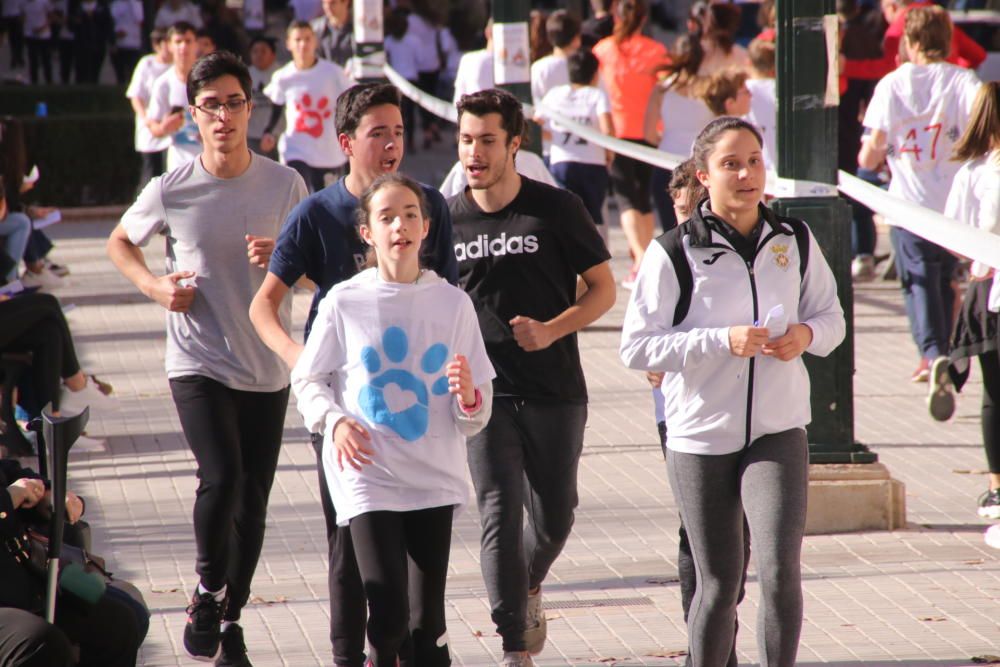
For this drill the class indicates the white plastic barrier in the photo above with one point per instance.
(957, 237)
(929, 224)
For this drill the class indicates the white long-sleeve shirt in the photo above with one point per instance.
(975, 200)
(715, 402)
(377, 353)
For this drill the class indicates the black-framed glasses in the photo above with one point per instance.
(214, 107)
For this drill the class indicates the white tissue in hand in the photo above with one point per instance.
(776, 322)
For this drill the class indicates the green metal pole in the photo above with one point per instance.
(807, 151)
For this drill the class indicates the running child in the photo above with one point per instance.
(578, 165)
(395, 375)
(306, 91)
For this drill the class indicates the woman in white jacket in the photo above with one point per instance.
(750, 294)
(395, 375)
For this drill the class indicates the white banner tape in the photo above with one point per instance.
(436, 106)
(957, 237)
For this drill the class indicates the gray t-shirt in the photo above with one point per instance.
(205, 219)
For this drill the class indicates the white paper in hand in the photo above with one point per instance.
(776, 322)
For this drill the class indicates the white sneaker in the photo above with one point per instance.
(535, 629)
(517, 659)
(44, 279)
(992, 536)
(863, 269)
(87, 445)
(95, 394)
(940, 397)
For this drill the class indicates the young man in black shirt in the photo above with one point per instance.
(520, 247)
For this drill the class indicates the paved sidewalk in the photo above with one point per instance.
(926, 595)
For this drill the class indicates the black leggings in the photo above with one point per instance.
(235, 437)
(990, 365)
(35, 323)
(403, 557)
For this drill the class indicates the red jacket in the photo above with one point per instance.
(964, 50)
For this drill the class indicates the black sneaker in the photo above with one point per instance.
(201, 634)
(989, 504)
(234, 649)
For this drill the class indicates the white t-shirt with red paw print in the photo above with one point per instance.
(310, 100)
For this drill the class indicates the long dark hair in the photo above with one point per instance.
(631, 15)
(685, 61)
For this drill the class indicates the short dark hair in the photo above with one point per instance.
(710, 134)
(582, 67)
(355, 102)
(157, 35)
(265, 40)
(203, 32)
(180, 28)
(3, 192)
(495, 100)
(298, 25)
(562, 28)
(396, 23)
(217, 64)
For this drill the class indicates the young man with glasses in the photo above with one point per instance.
(220, 214)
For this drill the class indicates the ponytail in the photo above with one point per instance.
(631, 15)
(983, 131)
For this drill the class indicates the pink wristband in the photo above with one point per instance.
(474, 408)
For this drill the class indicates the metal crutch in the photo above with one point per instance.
(60, 433)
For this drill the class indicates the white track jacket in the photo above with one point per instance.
(718, 403)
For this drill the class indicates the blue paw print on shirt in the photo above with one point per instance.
(409, 423)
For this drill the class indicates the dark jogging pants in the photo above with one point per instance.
(526, 459)
(403, 558)
(235, 437)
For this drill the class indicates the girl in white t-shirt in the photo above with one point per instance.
(395, 375)
(975, 200)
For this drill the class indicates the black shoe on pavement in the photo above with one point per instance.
(234, 649)
(201, 634)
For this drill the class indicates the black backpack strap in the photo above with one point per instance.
(673, 243)
(801, 231)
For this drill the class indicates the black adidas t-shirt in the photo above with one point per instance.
(524, 260)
